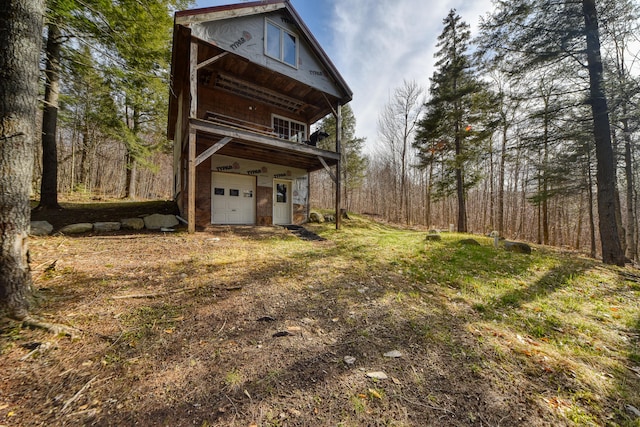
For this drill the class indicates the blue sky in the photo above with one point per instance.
(376, 44)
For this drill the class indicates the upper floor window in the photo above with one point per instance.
(289, 129)
(281, 44)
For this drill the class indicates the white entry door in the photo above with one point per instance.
(281, 202)
(233, 198)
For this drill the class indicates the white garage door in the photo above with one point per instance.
(233, 198)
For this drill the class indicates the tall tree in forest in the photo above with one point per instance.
(354, 163)
(132, 38)
(450, 124)
(49, 181)
(21, 24)
(619, 29)
(396, 126)
(612, 252)
(87, 106)
(508, 104)
(536, 33)
(142, 75)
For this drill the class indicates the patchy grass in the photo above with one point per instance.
(252, 326)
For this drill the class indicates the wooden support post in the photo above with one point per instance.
(191, 198)
(338, 113)
(193, 111)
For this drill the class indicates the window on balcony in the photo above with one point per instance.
(289, 129)
(281, 44)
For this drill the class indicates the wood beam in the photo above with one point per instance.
(338, 113)
(211, 150)
(328, 169)
(212, 60)
(193, 109)
(333, 110)
(275, 143)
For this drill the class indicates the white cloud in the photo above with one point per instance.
(377, 45)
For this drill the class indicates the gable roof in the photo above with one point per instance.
(208, 14)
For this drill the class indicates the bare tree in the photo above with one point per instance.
(396, 127)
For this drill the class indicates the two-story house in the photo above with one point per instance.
(248, 82)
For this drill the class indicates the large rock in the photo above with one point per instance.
(517, 247)
(79, 228)
(132, 223)
(316, 217)
(158, 221)
(40, 228)
(469, 242)
(106, 226)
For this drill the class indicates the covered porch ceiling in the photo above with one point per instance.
(249, 145)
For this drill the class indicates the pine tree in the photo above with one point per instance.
(451, 131)
(354, 163)
(21, 24)
(534, 34)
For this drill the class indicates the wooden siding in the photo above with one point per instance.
(264, 208)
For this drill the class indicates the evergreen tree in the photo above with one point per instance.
(21, 24)
(132, 39)
(354, 163)
(452, 130)
(141, 76)
(530, 34)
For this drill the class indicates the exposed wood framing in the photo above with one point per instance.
(216, 13)
(213, 128)
(193, 109)
(211, 150)
(328, 169)
(338, 113)
(212, 60)
(333, 110)
(255, 92)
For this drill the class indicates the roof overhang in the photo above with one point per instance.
(192, 16)
(182, 38)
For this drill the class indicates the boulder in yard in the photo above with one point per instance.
(469, 242)
(158, 221)
(517, 247)
(106, 226)
(40, 228)
(132, 223)
(316, 217)
(81, 227)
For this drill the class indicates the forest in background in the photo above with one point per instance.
(515, 143)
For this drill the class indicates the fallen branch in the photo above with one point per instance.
(54, 328)
(230, 288)
(41, 348)
(174, 291)
(424, 405)
(156, 294)
(78, 394)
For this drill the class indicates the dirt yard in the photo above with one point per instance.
(253, 326)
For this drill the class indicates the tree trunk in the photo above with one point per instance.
(20, 36)
(132, 169)
(49, 183)
(611, 249)
(503, 157)
(592, 224)
(632, 244)
(462, 209)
